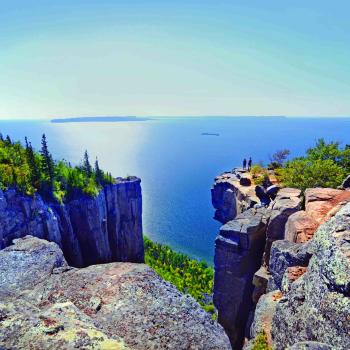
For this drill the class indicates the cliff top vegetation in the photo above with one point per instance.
(324, 165)
(188, 275)
(30, 172)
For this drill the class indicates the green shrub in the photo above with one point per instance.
(256, 170)
(260, 342)
(325, 165)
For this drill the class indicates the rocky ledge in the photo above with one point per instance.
(46, 304)
(89, 230)
(232, 194)
(265, 253)
(312, 303)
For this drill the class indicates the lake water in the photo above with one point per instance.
(177, 164)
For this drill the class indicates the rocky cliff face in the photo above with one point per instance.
(230, 197)
(88, 230)
(271, 249)
(45, 304)
(240, 248)
(312, 302)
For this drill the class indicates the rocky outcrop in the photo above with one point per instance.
(240, 248)
(317, 307)
(45, 304)
(238, 251)
(230, 197)
(314, 282)
(89, 230)
(320, 205)
(287, 202)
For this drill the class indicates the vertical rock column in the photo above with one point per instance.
(124, 220)
(238, 253)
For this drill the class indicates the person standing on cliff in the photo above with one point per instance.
(249, 163)
(244, 164)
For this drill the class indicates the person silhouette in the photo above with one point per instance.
(249, 163)
(244, 164)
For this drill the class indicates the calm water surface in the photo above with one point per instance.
(177, 164)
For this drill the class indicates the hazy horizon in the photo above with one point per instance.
(189, 58)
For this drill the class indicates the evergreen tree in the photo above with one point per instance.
(8, 140)
(26, 141)
(98, 173)
(86, 164)
(33, 166)
(47, 161)
(1, 137)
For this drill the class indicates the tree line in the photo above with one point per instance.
(31, 172)
(188, 275)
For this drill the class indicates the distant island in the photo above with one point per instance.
(210, 134)
(99, 119)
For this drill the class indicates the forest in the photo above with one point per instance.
(36, 172)
(188, 275)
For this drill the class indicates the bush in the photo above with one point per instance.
(256, 170)
(260, 342)
(325, 165)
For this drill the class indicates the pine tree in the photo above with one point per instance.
(33, 166)
(47, 161)
(26, 141)
(86, 164)
(8, 140)
(1, 137)
(98, 173)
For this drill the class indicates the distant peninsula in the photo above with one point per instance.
(99, 119)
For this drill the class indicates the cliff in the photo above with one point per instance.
(46, 304)
(231, 196)
(89, 230)
(265, 249)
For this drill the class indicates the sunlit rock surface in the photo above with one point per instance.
(45, 304)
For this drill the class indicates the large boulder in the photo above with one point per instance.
(45, 304)
(323, 203)
(320, 205)
(300, 227)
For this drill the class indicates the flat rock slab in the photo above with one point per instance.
(45, 304)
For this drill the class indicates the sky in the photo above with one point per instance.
(62, 58)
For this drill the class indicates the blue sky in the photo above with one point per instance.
(70, 58)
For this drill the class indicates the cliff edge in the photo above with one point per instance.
(89, 230)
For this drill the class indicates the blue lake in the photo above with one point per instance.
(177, 164)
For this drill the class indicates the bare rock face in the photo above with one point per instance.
(230, 197)
(45, 304)
(323, 203)
(238, 251)
(89, 230)
(317, 307)
(240, 248)
(320, 205)
(287, 202)
(314, 281)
